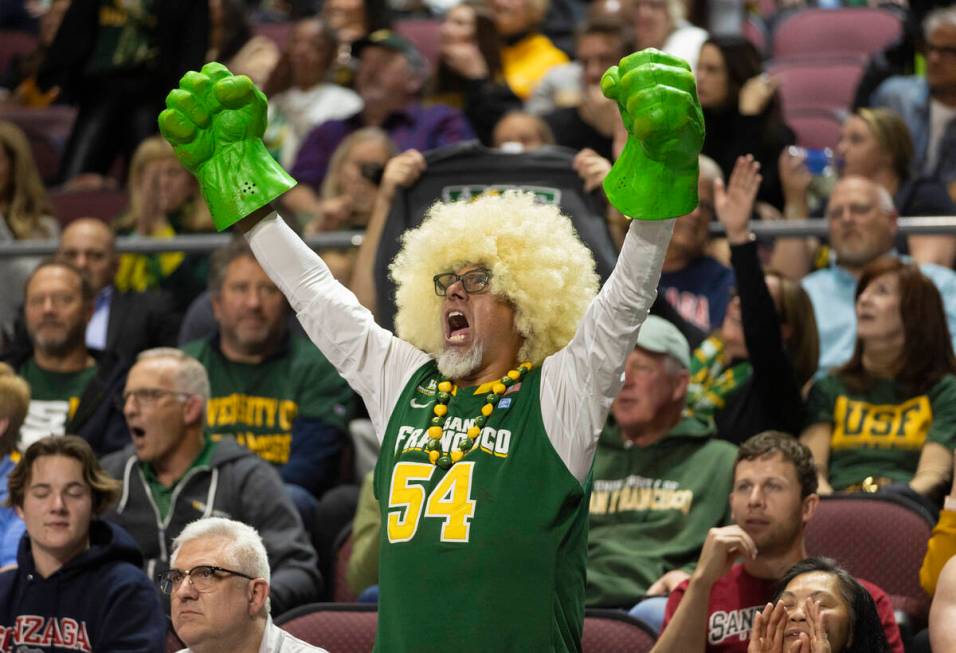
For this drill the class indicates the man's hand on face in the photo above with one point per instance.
(721, 548)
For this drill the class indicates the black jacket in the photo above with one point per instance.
(98, 601)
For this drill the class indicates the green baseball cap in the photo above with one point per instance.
(661, 337)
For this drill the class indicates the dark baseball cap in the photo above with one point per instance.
(386, 38)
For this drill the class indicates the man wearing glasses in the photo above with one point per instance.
(173, 475)
(78, 585)
(219, 591)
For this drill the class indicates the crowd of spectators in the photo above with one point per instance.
(774, 372)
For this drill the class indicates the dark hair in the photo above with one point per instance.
(103, 487)
(86, 288)
(489, 44)
(609, 26)
(222, 257)
(742, 62)
(927, 353)
(866, 629)
(793, 451)
(234, 29)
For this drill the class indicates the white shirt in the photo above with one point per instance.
(294, 113)
(276, 640)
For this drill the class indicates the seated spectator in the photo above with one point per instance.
(218, 583)
(660, 481)
(696, 284)
(571, 99)
(748, 377)
(527, 54)
(117, 62)
(928, 104)
(887, 418)
(233, 44)
(164, 201)
(741, 110)
(274, 393)
(469, 74)
(361, 573)
(172, 475)
(390, 79)
(518, 131)
(819, 606)
(772, 501)
(943, 612)
(14, 402)
(875, 144)
(26, 215)
(662, 24)
(942, 544)
(78, 577)
(20, 77)
(351, 21)
(861, 227)
(72, 386)
(300, 98)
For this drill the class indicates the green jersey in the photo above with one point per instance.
(269, 407)
(510, 499)
(54, 397)
(881, 432)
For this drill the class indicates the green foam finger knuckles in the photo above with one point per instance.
(655, 177)
(215, 121)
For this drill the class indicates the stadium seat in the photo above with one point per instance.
(14, 43)
(173, 643)
(423, 33)
(816, 82)
(854, 31)
(70, 205)
(755, 31)
(815, 127)
(341, 592)
(878, 538)
(615, 631)
(47, 129)
(336, 627)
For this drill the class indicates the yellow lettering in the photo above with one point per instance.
(886, 426)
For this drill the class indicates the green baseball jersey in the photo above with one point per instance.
(510, 499)
(881, 432)
(651, 508)
(54, 397)
(258, 404)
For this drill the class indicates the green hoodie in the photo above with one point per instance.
(651, 508)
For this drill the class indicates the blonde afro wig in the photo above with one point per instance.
(536, 259)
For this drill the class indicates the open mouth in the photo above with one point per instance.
(457, 325)
(137, 431)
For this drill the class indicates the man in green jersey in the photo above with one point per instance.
(490, 403)
(71, 386)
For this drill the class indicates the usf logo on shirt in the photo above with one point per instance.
(899, 426)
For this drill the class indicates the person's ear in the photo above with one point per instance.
(809, 507)
(193, 409)
(258, 594)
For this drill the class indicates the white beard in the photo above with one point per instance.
(456, 364)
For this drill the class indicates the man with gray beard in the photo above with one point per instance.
(71, 388)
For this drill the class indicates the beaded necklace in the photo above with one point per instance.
(436, 424)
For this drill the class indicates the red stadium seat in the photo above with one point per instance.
(104, 204)
(877, 538)
(755, 31)
(47, 129)
(173, 643)
(815, 127)
(854, 31)
(336, 627)
(423, 33)
(14, 43)
(816, 82)
(614, 631)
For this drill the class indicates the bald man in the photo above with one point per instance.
(123, 324)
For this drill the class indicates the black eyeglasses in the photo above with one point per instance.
(202, 577)
(475, 281)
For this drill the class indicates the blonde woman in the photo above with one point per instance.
(25, 214)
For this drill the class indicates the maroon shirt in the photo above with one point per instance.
(737, 596)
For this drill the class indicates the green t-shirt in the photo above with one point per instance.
(881, 432)
(162, 495)
(651, 508)
(259, 404)
(490, 554)
(54, 398)
(125, 36)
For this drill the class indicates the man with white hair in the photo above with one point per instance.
(219, 589)
(172, 475)
(862, 228)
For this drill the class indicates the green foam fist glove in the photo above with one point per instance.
(655, 177)
(215, 121)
